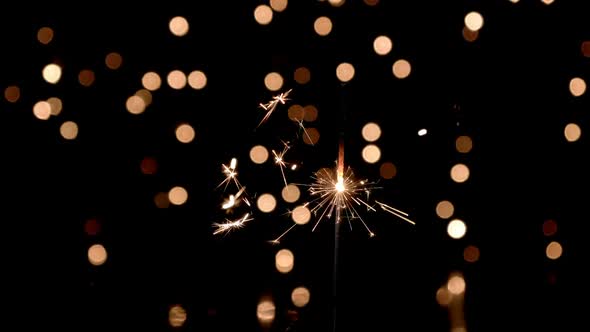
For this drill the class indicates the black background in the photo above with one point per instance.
(508, 91)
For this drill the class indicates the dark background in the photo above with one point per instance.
(508, 91)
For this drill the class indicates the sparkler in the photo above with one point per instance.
(279, 160)
(272, 105)
(230, 174)
(231, 225)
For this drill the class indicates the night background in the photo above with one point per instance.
(482, 129)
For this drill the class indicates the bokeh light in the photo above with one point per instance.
(113, 60)
(422, 132)
(572, 132)
(445, 209)
(273, 81)
(284, 261)
(310, 113)
(345, 72)
(185, 133)
(443, 296)
(176, 316)
(296, 113)
(401, 68)
(263, 14)
(549, 227)
(86, 77)
(178, 195)
(300, 296)
(145, 95)
(456, 284)
(97, 254)
(278, 5)
(471, 254)
(577, 86)
(151, 81)
(336, 3)
(302, 75)
(371, 132)
(266, 203)
(52, 73)
(12, 93)
(464, 144)
(178, 26)
(45, 35)
(197, 79)
(371, 153)
(554, 250)
(301, 215)
(371, 2)
(322, 26)
(135, 105)
(474, 21)
(176, 79)
(42, 110)
(388, 170)
(265, 312)
(259, 154)
(456, 228)
(69, 130)
(290, 193)
(55, 104)
(586, 48)
(382, 45)
(149, 166)
(470, 35)
(460, 173)
(311, 136)
(161, 200)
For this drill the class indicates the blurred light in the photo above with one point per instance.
(336, 3)
(161, 200)
(151, 81)
(300, 296)
(273, 81)
(263, 14)
(463, 144)
(345, 72)
(311, 136)
(265, 311)
(586, 48)
(322, 26)
(69, 130)
(284, 261)
(42, 110)
(371, 132)
(176, 316)
(547, 2)
(471, 254)
(456, 229)
(145, 95)
(554, 250)
(266, 203)
(577, 86)
(278, 5)
(445, 209)
(371, 153)
(197, 80)
(52, 73)
(310, 113)
(474, 21)
(443, 296)
(55, 104)
(86, 77)
(92, 227)
(460, 173)
(113, 60)
(185, 133)
(97, 255)
(45, 35)
(572, 132)
(514, 1)
(371, 2)
(178, 195)
(401, 68)
(301, 215)
(387, 170)
(290, 193)
(456, 285)
(259, 154)
(382, 45)
(422, 132)
(135, 105)
(470, 35)
(12, 93)
(296, 113)
(549, 227)
(302, 75)
(149, 166)
(176, 79)
(178, 26)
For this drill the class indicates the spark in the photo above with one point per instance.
(398, 213)
(302, 126)
(230, 174)
(272, 105)
(230, 225)
(233, 199)
(280, 160)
